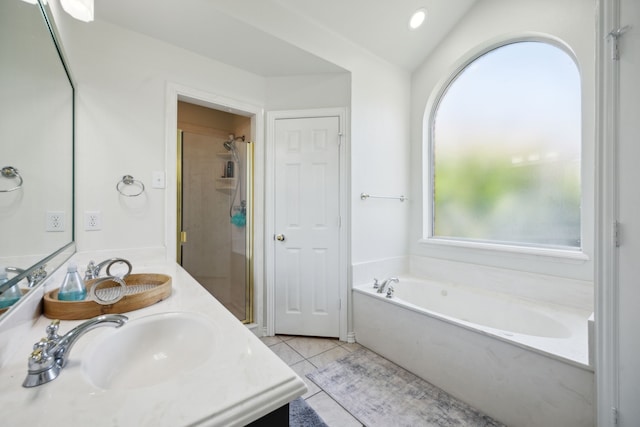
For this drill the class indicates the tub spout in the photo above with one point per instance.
(386, 282)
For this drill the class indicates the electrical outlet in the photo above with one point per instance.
(92, 220)
(55, 221)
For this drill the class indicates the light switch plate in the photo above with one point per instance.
(157, 180)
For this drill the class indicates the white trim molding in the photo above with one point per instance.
(175, 93)
(606, 266)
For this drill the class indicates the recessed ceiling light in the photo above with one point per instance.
(417, 19)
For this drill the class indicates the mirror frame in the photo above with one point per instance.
(59, 256)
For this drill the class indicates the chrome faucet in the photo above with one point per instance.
(37, 276)
(50, 354)
(93, 269)
(34, 278)
(385, 283)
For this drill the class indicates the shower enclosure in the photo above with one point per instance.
(215, 204)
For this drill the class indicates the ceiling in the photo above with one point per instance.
(216, 29)
(382, 26)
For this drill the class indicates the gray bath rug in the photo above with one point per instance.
(303, 415)
(382, 394)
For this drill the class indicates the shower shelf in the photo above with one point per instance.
(225, 183)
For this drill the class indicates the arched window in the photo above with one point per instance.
(505, 150)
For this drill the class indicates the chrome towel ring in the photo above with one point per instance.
(128, 180)
(11, 172)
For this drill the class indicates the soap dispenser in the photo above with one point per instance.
(11, 295)
(73, 287)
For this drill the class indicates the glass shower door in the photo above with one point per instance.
(214, 219)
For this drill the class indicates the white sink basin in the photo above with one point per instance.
(150, 350)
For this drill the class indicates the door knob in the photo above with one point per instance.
(280, 237)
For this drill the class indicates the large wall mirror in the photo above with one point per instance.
(36, 145)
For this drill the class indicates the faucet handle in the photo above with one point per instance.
(42, 366)
(390, 292)
(37, 276)
(376, 284)
(90, 272)
(52, 330)
(40, 344)
(41, 350)
(36, 355)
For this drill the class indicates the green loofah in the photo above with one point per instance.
(239, 219)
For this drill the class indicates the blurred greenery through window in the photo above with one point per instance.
(506, 149)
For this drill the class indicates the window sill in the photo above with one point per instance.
(558, 255)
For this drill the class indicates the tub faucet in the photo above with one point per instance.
(93, 269)
(50, 354)
(385, 283)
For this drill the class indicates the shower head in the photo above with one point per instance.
(229, 145)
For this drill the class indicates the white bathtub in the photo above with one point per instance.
(521, 363)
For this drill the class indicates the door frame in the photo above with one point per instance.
(607, 345)
(343, 249)
(174, 93)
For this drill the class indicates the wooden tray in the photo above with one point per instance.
(142, 290)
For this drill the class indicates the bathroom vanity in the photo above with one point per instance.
(231, 379)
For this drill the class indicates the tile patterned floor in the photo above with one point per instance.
(306, 354)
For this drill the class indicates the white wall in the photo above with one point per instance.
(379, 134)
(379, 163)
(121, 78)
(570, 21)
(308, 91)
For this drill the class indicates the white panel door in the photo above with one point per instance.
(307, 225)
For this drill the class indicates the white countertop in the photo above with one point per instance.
(245, 380)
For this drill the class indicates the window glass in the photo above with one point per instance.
(506, 149)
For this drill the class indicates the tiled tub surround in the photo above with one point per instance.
(527, 369)
(244, 382)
